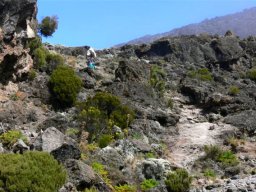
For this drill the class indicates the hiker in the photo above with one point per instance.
(90, 55)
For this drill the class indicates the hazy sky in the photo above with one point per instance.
(104, 23)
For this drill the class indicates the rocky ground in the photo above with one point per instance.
(202, 96)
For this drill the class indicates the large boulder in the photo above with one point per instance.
(244, 120)
(50, 139)
(153, 169)
(80, 174)
(65, 152)
(110, 157)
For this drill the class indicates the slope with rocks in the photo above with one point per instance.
(187, 93)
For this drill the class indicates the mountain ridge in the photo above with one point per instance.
(217, 25)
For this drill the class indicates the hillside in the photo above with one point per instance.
(242, 24)
(177, 114)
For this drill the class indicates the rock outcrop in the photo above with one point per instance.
(17, 24)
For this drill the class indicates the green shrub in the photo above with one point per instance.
(65, 85)
(125, 188)
(178, 181)
(148, 184)
(9, 138)
(100, 169)
(122, 116)
(48, 26)
(201, 74)
(105, 140)
(103, 111)
(32, 75)
(72, 131)
(170, 103)
(150, 155)
(228, 159)
(157, 78)
(34, 43)
(40, 57)
(53, 61)
(32, 171)
(233, 90)
(252, 74)
(209, 173)
(212, 152)
(225, 157)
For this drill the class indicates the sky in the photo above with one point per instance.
(105, 23)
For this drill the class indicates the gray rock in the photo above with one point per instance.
(244, 120)
(68, 187)
(50, 139)
(65, 152)
(110, 157)
(1, 148)
(20, 146)
(80, 174)
(153, 168)
(141, 146)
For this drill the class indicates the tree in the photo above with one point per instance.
(48, 26)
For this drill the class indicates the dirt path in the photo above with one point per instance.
(194, 132)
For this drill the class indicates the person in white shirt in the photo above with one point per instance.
(90, 56)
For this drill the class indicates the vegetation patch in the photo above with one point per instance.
(101, 112)
(252, 74)
(233, 90)
(225, 157)
(9, 138)
(125, 188)
(32, 171)
(178, 181)
(148, 184)
(64, 85)
(209, 173)
(157, 78)
(202, 74)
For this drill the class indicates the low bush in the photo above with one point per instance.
(201, 74)
(212, 152)
(148, 184)
(32, 75)
(178, 181)
(53, 60)
(64, 85)
(101, 170)
(125, 188)
(252, 74)
(35, 43)
(209, 173)
(32, 171)
(233, 90)
(157, 78)
(101, 112)
(9, 138)
(225, 157)
(40, 55)
(105, 140)
(228, 159)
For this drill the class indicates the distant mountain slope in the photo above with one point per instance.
(242, 24)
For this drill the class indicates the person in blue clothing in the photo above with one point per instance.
(91, 55)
